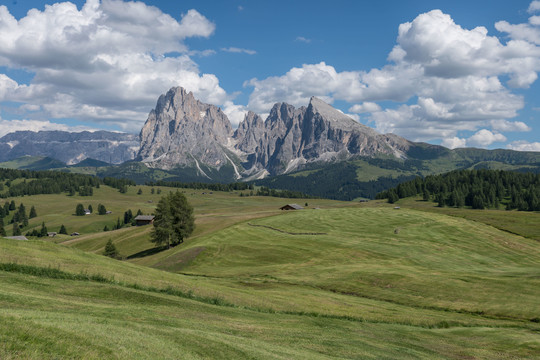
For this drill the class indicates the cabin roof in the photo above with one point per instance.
(144, 217)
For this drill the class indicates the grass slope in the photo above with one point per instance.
(250, 283)
(33, 163)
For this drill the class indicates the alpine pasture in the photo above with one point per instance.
(335, 280)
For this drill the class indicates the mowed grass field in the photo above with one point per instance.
(344, 280)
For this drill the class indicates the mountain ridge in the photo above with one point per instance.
(70, 147)
(182, 131)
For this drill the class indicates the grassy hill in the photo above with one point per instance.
(33, 163)
(345, 280)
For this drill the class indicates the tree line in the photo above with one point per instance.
(199, 185)
(478, 189)
(36, 182)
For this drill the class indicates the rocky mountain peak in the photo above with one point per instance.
(182, 131)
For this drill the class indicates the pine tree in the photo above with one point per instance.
(106, 228)
(63, 230)
(128, 217)
(139, 192)
(118, 225)
(16, 229)
(101, 209)
(16, 217)
(392, 196)
(22, 210)
(174, 220)
(2, 230)
(79, 210)
(12, 205)
(90, 208)
(33, 213)
(43, 232)
(6, 208)
(110, 250)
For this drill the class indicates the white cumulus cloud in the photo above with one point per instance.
(235, 113)
(534, 6)
(8, 126)
(442, 77)
(523, 145)
(484, 137)
(107, 62)
(454, 142)
(365, 107)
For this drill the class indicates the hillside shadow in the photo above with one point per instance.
(147, 252)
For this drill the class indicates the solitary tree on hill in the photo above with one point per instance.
(174, 220)
(101, 209)
(33, 213)
(12, 205)
(90, 208)
(63, 230)
(79, 210)
(110, 250)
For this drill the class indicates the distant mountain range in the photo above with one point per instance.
(70, 148)
(315, 149)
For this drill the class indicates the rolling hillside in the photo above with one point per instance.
(337, 280)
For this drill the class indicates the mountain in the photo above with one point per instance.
(70, 148)
(182, 132)
(290, 138)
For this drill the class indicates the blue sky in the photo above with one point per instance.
(456, 73)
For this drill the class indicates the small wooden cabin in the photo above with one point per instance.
(141, 220)
(291, 207)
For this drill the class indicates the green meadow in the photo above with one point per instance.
(336, 280)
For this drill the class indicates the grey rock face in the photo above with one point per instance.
(182, 131)
(70, 148)
(292, 137)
